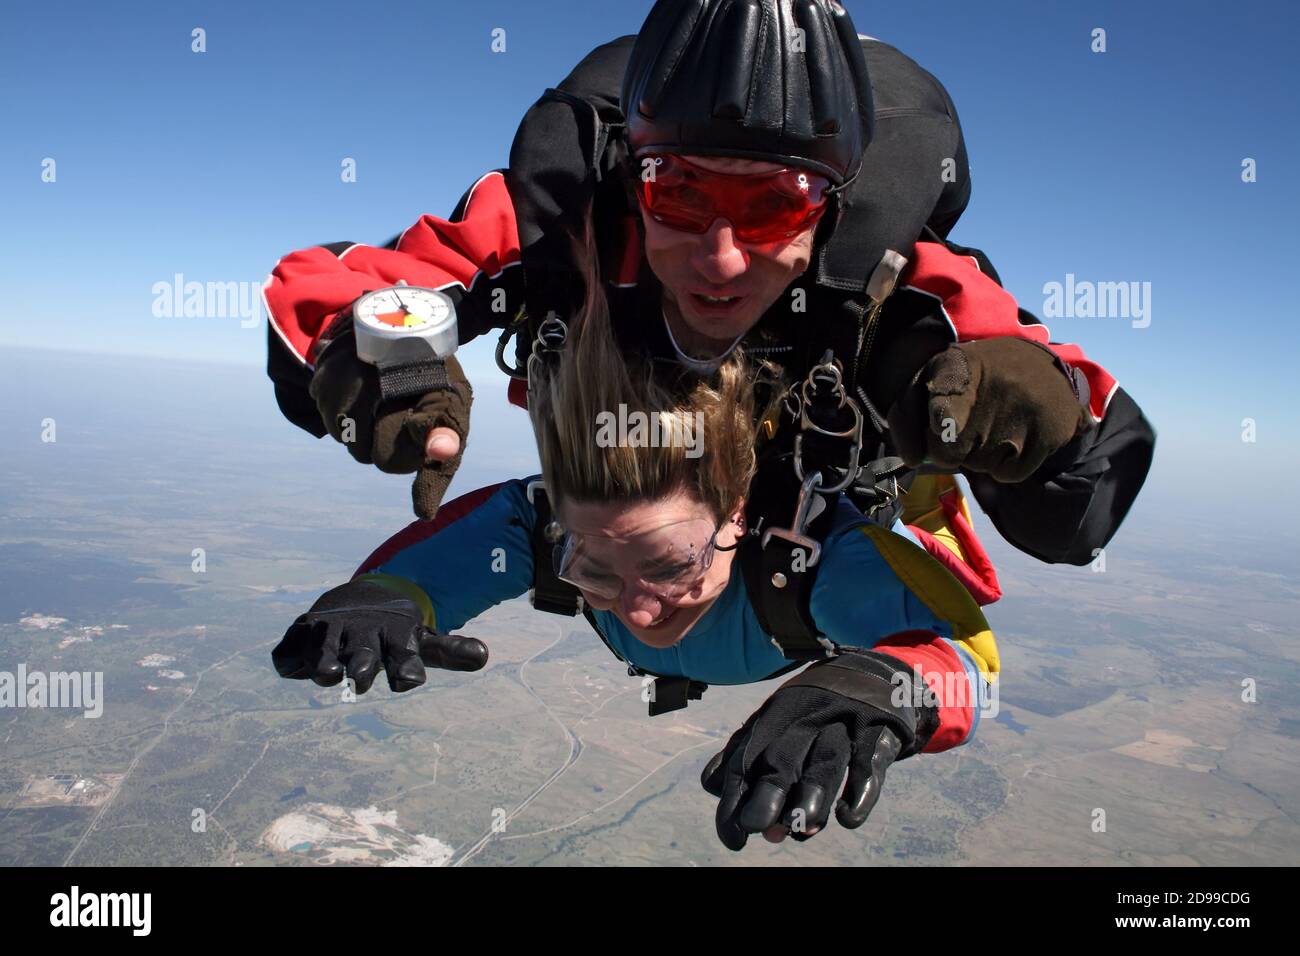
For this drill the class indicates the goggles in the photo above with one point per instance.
(669, 562)
(762, 208)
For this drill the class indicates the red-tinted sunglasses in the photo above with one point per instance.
(762, 208)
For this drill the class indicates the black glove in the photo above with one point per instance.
(391, 435)
(355, 627)
(1002, 404)
(785, 765)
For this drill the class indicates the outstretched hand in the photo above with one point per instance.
(780, 773)
(359, 627)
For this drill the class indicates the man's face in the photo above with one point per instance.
(714, 263)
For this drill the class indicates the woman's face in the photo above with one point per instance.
(626, 545)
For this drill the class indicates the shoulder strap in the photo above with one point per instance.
(548, 592)
(565, 154)
(887, 206)
(780, 556)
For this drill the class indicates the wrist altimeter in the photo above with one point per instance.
(407, 332)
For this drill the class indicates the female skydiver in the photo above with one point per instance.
(649, 534)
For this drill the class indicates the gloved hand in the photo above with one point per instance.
(1002, 403)
(356, 627)
(394, 436)
(783, 768)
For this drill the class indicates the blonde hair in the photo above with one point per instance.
(591, 378)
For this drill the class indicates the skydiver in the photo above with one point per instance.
(811, 172)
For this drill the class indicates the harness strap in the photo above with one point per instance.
(779, 571)
(674, 693)
(548, 592)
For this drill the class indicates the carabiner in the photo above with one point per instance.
(506, 335)
(827, 371)
(854, 433)
(551, 334)
(797, 533)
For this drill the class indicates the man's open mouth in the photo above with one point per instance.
(716, 302)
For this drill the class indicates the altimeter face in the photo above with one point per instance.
(403, 324)
(404, 310)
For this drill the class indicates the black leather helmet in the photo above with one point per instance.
(774, 80)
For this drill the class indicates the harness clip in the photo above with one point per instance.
(797, 535)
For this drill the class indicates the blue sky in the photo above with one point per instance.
(1115, 166)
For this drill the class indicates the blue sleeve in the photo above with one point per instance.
(475, 554)
(857, 598)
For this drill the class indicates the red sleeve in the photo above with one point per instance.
(309, 288)
(976, 307)
(950, 678)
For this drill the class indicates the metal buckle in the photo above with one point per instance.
(823, 373)
(855, 449)
(532, 487)
(551, 336)
(827, 377)
(553, 531)
(827, 644)
(796, 534)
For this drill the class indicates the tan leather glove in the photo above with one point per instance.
(999, 406)
(391, 435)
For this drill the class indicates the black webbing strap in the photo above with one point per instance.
(875, 686)
(549, 593)
(879, 489)
(779, 577)
(412, 378)
(674, 693)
